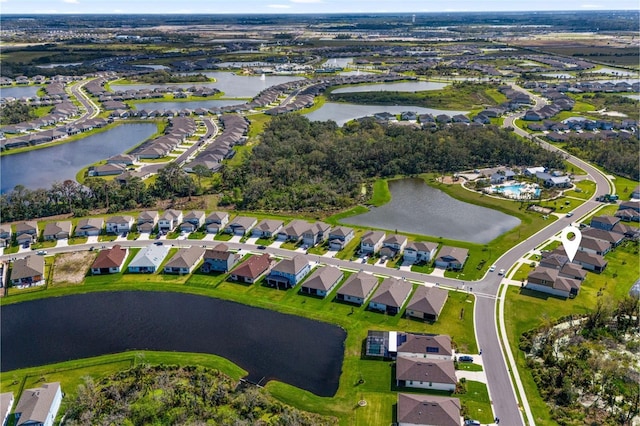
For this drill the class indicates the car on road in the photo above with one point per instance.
(501, 272)
(158, 243)
(41, 252)
(492, 268)
(262, 247)
(569, 214)
(465, 358)
(471, 423)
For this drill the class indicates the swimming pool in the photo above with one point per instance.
(517, 191)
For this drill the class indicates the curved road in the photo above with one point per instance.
(500, 386)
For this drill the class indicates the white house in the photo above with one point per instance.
(169, 220)
(216, 221)
(417, 252)
(371, 241)
(39, 406)
(148, 259)
(118, 224)
(433, 374)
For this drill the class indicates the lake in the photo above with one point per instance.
(42, 167)
(343, 112)
(163, 106)
(417, 208)
(269, 345)
(613, 71)
(407, 86)
(19, 91)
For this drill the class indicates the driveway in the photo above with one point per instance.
(63, 243)
(144, 236)
(92, 239)
(209, 237)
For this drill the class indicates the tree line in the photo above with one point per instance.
(310, 166)
(617, 155)
(17, 112)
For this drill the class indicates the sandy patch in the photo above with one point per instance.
(71, 268)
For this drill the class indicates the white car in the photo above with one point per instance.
(501, 272)
(492, 268)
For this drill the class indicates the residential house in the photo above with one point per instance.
(267, 228)
(39, 406)
(630, 205)
(357, 288)
(193, 221)
(147, 221)
(216, 221)
(628, 215)
(424, 346)
(28, 270)
(635, 194)
(27, 232)
(293, 231)
(219, 259)
(419, 252)
(427, 303)
(118, 224)
(421, 410)
(390, 296)
(393, 245)
(340, 237)
(184, 261)
(5, 235)
(594, 245)
(240, 225)
(590, 261)
(90, 227)
(322, 281)
(169, 220)
(252, 269)
(371, 242)
(57, 230)
(109, 261)
(605, 223)
(289, 272)
(316, 233)
(148, 259)
(614, 238)
(433, 374)
(548, 280)
(452, 257)
(6, 404)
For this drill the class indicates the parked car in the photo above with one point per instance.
(25, 245)
(471, 423)
(465, 358)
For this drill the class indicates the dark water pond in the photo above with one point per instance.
(417, 208)
(269, 345)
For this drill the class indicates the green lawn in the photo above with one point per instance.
(585, 189)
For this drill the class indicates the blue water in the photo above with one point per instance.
(516, 189)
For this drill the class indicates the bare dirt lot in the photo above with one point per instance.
(71, 268)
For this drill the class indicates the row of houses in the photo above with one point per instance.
(584, 86)
(178, 130)
(558, 275)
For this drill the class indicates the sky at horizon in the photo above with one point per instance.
(297, 6)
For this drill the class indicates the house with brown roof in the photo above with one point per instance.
(322, 281)
(548, 280)
(118, 224)
(193, 221)
(433, 374)
(594, 245)
(357, 288)
(605, 223)
(147, 221)
(251, 269)
(436, 346)
(289, 272)
(267, 228)
(109, 261)
(371, 242)
(452, 258)
(216, 221)
(39, 406)
(418, 251)
(184, 261)
(57, 230)
(89, 227)
(219, 259)
(5, 235)
(427, 303)
(240, 225)
(390, 296)
(420, 410)
(613, 238)
(27, 232)
(28, 271)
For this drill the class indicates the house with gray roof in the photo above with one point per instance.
(419, 252)
(289, 272)
(39, 406)
(371, 242)
(432, 346)
(390, 296)
(549, 280)
(340, 237)
(420, 410)
(28, 270)
(193, 221)
(322, 281)
(118, 224)
(393, 245)
(216, 221)
(452, 257)
(219, 259)
(605, 223)
(427, 303)
(169, 220)
(89, 227)
(27, 232)
(293, 230)
(148, 259)
(184, 261)
(6, 404)
(147, 221)
(57, 230)
(432, 374)
(5, 235)
(267, 228)
(240, 225)
(357, 288)
(594, 245)
(316, 233)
